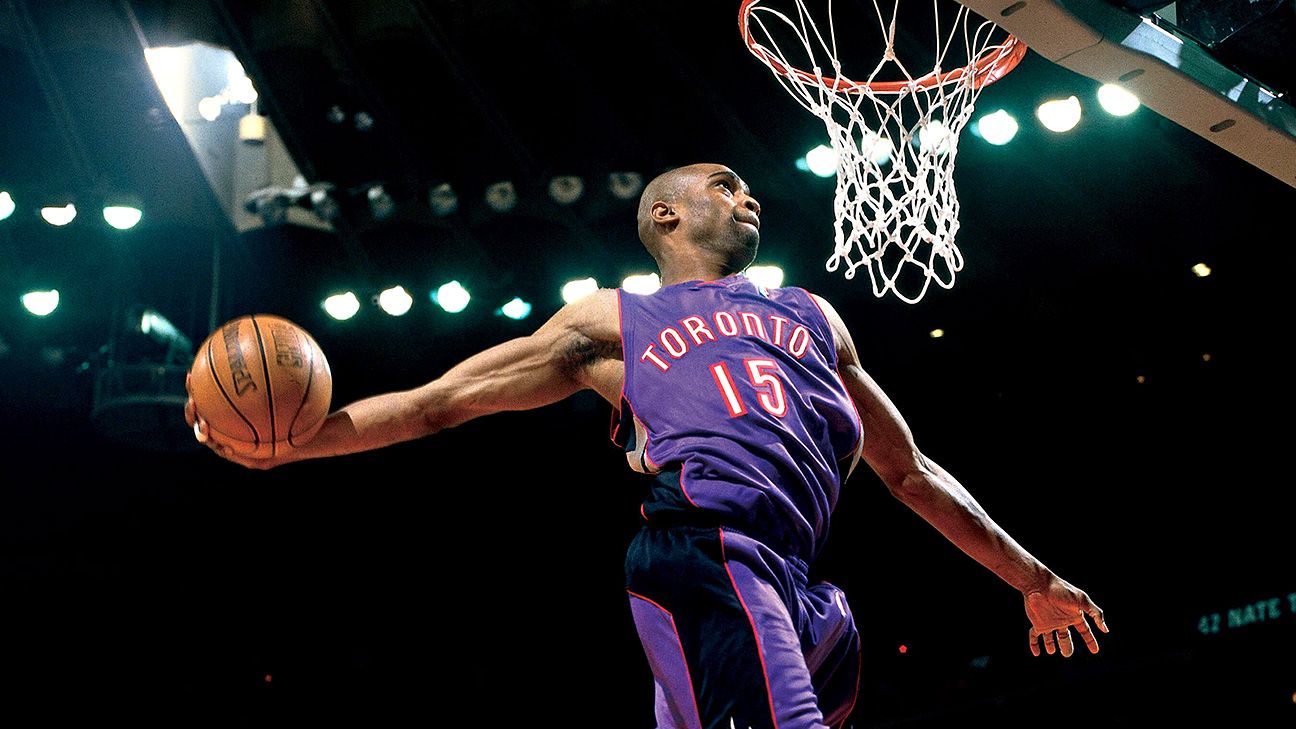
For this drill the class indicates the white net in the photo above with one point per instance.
(896, 208)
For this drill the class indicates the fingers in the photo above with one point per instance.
(1060, 640)
(1096, 614)
(1087, 635)
(1050, 645)
(1065, 644)
(201, 431)
(189, 412)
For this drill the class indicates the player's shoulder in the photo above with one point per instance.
(828, 310)
(595, 314)
(841, 334)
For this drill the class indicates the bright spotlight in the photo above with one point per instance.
(501, 196)
(41, 303)
(122, 217)
(395, 301)
(59, 216)
(876, 147)
(210, 107)
(162, 331)
(1060, 115)
(172, 72)
(237, 84)
(936, 333)
(997, 128)
(642, 283)
(822, 161)
(6, 205)
(771, 277)
(516, 309)
(566, 189)
(452, 297)
(576, 290)
(342, 306)
(934, 138)
(1202, 270)
(1116, 100)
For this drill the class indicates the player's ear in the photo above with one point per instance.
(664, 213)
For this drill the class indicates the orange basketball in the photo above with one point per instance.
(262, 384)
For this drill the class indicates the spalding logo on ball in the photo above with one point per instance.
(262, 384)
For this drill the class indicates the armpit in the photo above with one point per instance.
(581, 352)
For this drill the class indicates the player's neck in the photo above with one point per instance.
(674, 272)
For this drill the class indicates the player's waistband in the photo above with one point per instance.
(671, 507)
(800, 568)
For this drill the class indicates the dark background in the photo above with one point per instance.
(474, 578)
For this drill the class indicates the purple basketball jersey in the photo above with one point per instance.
(746, 417)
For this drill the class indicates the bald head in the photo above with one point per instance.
(665, 188)
(699, 212)
(668, 187)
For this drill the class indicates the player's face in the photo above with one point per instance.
(725, 218)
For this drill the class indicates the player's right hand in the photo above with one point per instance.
(202, 433)
(1054, 609)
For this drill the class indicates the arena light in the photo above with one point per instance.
(516, 309)
(936, 333)
(501, 196)
(577, 290)
(41, 303)
(452, 297)
(876, 147)
(172, 70)
(625, 185)
(566, 189)
(210, 107)
(934, 138)
(1116, 100)
(381, 204)
(1202, 270)
(1059, 115)
(641, 283)
(7, 205)
(238, 87)
(322, 201)
(997, 128)
(822, 161)
(443, 200)
(122, 217)
(771, 277)
(342, 306)
(162, 331)
(395, 301)
(59, 216)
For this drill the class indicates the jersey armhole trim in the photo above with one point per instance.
(832, 335)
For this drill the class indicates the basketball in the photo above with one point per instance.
(262, 383)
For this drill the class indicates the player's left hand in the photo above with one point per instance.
(202, 433)
(1056, 608)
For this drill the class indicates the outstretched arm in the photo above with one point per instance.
(1052, 604)
(520, 374)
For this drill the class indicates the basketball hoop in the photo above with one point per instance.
(896, 207)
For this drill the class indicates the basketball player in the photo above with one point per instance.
(749, 407)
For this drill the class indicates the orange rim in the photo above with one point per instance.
(984, 72)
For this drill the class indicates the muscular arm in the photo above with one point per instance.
(523, 373)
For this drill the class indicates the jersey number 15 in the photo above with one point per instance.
(762, 375)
